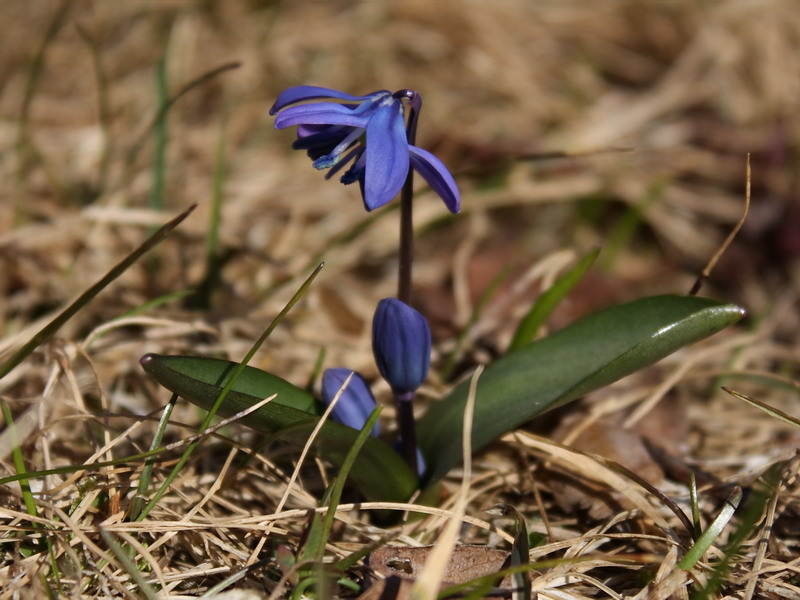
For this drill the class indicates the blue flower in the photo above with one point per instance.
(366, 132)
(356, 403)
(401, 343)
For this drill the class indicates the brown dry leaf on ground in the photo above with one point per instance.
(567, 124)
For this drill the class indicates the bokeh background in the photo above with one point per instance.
(567, 125)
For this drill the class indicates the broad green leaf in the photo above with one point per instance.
(379, 472)
(566, 365)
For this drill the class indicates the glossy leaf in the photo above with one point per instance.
(379, 472)
(566, 365)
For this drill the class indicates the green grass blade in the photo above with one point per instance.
(703, 543)
(214, 262)
(137, 504)
(315, 542)
(129, 566)
(48, 330)
(566, 365)
(131, 157)
(19, 462)
(156, 201)
(218, 402)
(549, 300)
(341, 478)
(751, 514)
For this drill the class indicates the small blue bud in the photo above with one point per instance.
(401, 343)
(357, 402)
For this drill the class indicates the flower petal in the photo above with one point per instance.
(438, 177)
(300, 93)
(356, 403)
(386, 154)
(322, 113)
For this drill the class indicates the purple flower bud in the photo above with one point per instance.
(357, 402)
(401, 343)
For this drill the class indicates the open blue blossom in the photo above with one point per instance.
(367, 133)
(401, 343)
(356, 403)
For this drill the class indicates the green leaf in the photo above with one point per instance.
(566, 365)
(549, 300)
(379, 472)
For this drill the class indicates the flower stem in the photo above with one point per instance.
(408, 433)
(406, 240)
(406, 257)
(405, 408)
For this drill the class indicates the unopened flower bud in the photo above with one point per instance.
(401, 343)
(356, 403)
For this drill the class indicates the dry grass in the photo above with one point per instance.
(686, 89)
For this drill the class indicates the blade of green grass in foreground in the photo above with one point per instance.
(137, 576)
(147, 471)
(764, 492)
(566, 365)
(714, 530)
(218, 402)
(48, 330)
(321, 525)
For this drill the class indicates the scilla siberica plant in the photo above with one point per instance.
(370, 135)
(371, 139)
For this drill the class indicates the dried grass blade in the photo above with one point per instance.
(773, 412)
(728, 240)
(429, 581)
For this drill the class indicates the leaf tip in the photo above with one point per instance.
(147, 360)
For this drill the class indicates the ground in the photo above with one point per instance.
(567, 125)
